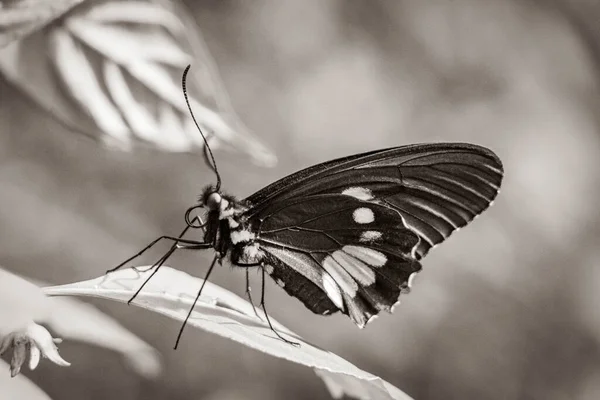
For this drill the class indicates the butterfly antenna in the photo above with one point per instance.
(213, 164)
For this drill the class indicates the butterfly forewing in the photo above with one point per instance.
(436, 188)
(347, 234)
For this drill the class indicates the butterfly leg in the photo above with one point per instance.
(248, 289)
(155, 241)
(156, 266)
(174, 239)
(262, 303)
(177, 245)
(197, 246)
(212, 265)
(159, 263)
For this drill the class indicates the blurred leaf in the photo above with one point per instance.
(172, 293)
(97, 329)
(22, 302)
(18, 387)
(20, 17)
(112, 70)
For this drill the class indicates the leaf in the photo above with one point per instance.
(172, 293)
(112, 70)
(138, 117)
(70, 57)
(21, 17)
(22, 302)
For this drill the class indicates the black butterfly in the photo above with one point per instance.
(347, 235)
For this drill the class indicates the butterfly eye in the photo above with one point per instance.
(213, 201)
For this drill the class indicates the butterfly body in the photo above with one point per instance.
(347, 235)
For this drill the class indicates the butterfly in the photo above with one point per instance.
(348, 235)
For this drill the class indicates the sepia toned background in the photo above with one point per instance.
(506, 309)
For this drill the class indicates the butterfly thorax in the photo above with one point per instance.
(229, 230)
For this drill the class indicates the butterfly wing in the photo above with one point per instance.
(354, 253)
(347, 234)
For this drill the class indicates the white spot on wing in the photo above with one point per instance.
(359, 193)
(411, 278)
(333, 291)
(358, 269)
(363, 215)
(241, 236)
(280, 282)
(341, 277)
(370, 236)
(369, 256)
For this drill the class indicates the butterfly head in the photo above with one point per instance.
(212, 199)
(217, 202)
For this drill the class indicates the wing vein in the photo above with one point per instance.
(455, 182)
(401, 210)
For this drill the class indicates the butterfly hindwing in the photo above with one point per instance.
(296, 284)
(347, 234)
(357, 253)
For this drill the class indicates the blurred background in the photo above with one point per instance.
(505, 309)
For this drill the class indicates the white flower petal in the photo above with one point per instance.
(5, 344)
(37, 340)
(19, 355)
(34, 356)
